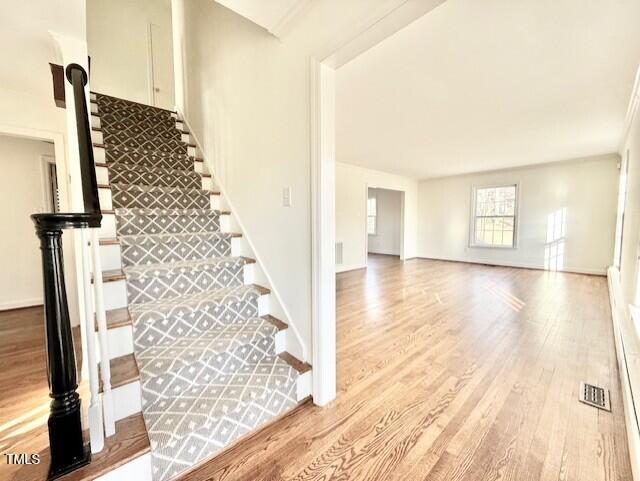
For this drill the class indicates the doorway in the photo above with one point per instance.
(384, 222)
(26, 186)
(161, 67)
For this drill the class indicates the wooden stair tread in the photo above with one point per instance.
(108, 211)
(261, 290)
(113, 275)
(280, 325)
(248, 260)
(124, 370)
(104, 186)
(102, 164)
(128, 443)
(117, 318)
(295, 363)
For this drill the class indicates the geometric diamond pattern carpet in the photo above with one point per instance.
(208, 368)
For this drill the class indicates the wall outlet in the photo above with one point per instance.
(286, 197)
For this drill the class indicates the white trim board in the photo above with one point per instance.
(323, 232)
(625, 350)
(350, 268)
(577, 270)
(31, 302)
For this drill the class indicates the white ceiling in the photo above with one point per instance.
(481, 85)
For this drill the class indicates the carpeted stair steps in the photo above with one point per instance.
(208, 360)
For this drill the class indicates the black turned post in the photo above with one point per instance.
(68, 450)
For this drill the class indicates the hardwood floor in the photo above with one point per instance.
(446, 371)
(24, 392)
(450, 371)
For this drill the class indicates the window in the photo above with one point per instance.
(372, 212)
(494, 216)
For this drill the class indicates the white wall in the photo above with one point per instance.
(631, 231)
(388, 236)
(587, 188)
(352, 183)
(246, 97)
(118, 41)
(21, 192)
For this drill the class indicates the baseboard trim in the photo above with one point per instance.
(8, 306)
(589, 272)
(341, 269)
(623, 332)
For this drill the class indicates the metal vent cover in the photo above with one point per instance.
(595, 396)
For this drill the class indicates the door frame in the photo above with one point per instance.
(402, 194)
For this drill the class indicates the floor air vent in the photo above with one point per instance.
(595, 396)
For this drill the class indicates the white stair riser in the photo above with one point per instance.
(207, 183)
(304, 385)
(120, 341)
(127, 400)
(95, 121)
(115, 292)
(108, 226)
(97, 137)
(115, 295)
(281, 341)
(94, 108)
(105, 199)
(110, 257)
(138, 469)
(102, 175)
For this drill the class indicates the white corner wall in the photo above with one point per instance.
(118, 43)
(587, 188)
(631, 232)
(352, 183)
(388, 234)
(22, 194)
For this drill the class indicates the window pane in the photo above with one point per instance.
(371, 206)
(495, 209)
(371, 225)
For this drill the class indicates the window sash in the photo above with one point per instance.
(494, 216)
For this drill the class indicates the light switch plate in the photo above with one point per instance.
(286, 197)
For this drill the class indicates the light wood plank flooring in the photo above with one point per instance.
(446, 371)
(451, 371)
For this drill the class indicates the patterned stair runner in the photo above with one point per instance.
(208, 367)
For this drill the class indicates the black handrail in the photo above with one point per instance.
(77, 76)
(68, 451)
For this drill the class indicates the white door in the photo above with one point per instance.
(161, 67)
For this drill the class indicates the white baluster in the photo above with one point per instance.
(105, 367)
(96, 433)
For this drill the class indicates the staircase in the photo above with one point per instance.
(193, 345)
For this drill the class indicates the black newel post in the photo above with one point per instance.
(68, 450)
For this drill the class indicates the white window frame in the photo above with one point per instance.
(472, 217)
(375, 217)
